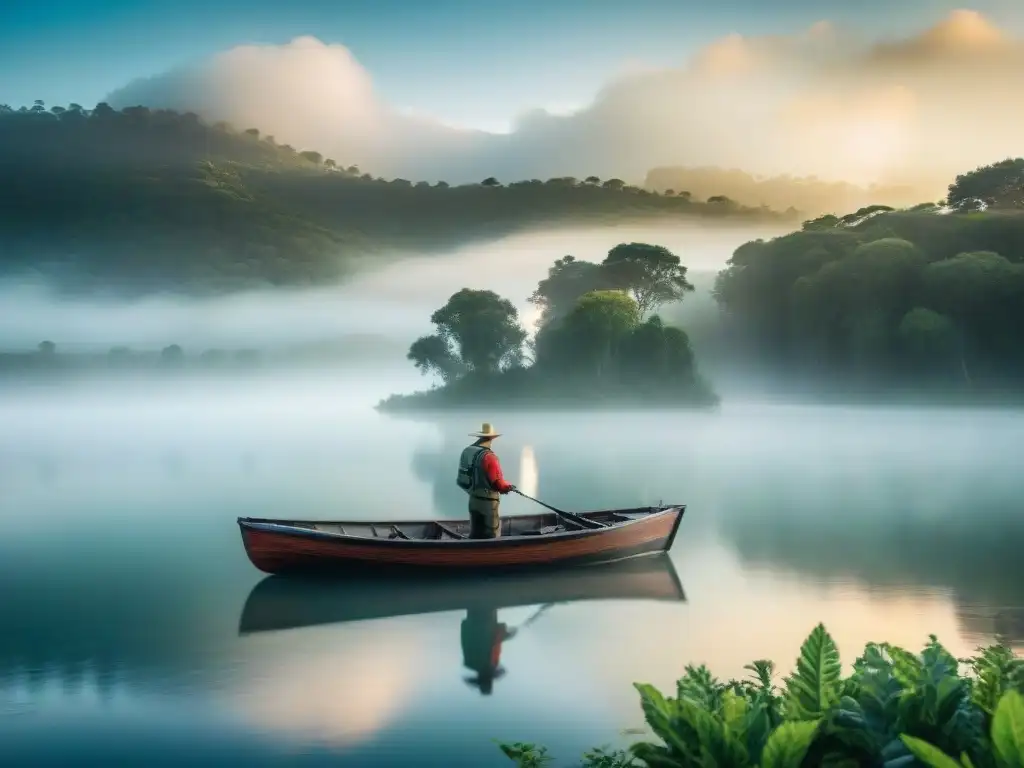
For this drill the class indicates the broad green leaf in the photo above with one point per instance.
(929, 754)
(655, 756)
(906, 667)
(814, 686)
(995, 669)
(1008, 730)
(788, 744)
(718, 746)
(734, 712)
(937, 657)
(661, 717)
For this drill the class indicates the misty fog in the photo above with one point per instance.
(394, 301)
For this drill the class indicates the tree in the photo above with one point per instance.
(586, 340)
(490, 181)
(614, 184)
(655, 355)
(568, 279)
(930, 340)
(432, 354)
(172, 355)
(254, 132)
(482, 328)
(1000, 184)
(329, 164)
(971, 287)
(593, 180)
(828, 221)
(47, 348)
(882, 274)
(652, 273)
(313, 157)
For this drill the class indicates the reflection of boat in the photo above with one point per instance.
(282, 546)
(279, 602)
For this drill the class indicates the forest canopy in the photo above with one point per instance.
(884, 299)
(142, 200)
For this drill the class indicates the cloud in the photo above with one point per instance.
(820, 102)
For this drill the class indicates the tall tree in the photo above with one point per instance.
(651, 273)
(432, 354)
(482, 328)
(568, 279)
(586, 340)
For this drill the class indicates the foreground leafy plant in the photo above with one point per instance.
(896, 710)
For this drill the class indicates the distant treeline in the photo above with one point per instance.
(49, 358)
(809, 195)
(141, 200)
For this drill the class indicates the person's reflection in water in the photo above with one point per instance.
(482, 637)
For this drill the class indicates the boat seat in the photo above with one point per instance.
(545, 530)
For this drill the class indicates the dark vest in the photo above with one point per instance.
(471, 477)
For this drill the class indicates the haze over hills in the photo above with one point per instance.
(910, 111)
(137, 201)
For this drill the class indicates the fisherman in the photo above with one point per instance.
(480, 476)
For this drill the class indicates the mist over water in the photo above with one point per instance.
(125, 581)
(125, 577)
(394, 302)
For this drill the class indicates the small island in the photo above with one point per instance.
(598, 344)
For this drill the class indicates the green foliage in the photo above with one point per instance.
(477, 331)
(434, 354)
(591, 348)
(568, 279)
(652, 273)
(894, 708)
(1000, 184)
(883, 300)
(586, 341)
(813, 689)
(143, 200)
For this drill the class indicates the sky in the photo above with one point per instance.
(468, 63)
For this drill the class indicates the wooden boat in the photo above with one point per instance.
(283, 602)
(528, 541)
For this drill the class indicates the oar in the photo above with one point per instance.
(580, 521)
(533, 617)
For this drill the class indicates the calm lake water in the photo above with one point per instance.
(125, 585)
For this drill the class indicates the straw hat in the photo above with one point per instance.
(486, 430)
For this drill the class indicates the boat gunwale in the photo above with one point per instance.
(264, 525)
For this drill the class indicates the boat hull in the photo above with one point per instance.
(277, 548)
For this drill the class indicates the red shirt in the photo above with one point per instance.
(492, 469)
